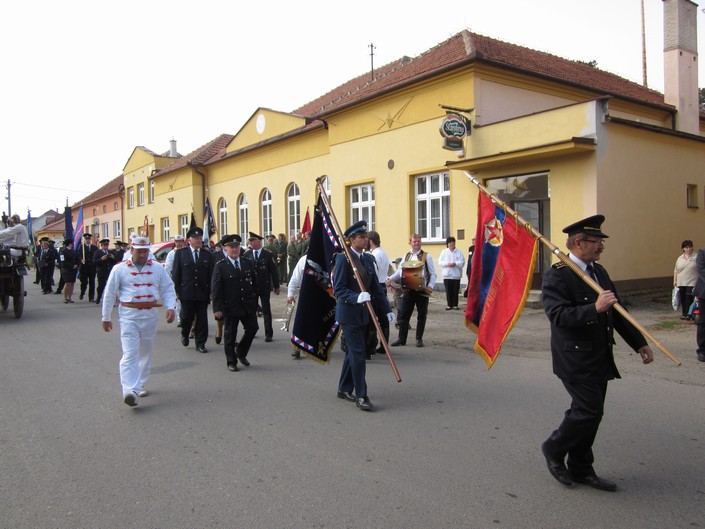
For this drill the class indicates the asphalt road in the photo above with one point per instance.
(451, 446)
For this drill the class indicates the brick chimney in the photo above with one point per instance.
(681, 63)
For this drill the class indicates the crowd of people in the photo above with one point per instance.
(238, 283)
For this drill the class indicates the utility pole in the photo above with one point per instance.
(9, 199)
(372, 61)
(643, 43)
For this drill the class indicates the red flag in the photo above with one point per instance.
(307, 224)
(502, 269)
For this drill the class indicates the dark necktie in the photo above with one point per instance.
(237, 264)
(256, 255)
(195, 253)
(591, 271)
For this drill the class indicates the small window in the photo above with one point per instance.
(151, 193)
(131, 198)
(140, 194)
(692, 196)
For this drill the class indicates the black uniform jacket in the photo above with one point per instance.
(265, 270)
(102, 268)
(582, 339)
(234, 291)
(192, 281)
(68, 259)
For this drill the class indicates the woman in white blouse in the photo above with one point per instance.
(451, 262)
(684, 277)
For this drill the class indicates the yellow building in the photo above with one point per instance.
(557, 139)
(139, 188)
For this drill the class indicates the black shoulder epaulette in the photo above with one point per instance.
(559, 265)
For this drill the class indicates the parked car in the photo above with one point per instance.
(160, 249)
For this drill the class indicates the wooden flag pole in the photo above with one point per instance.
(575, 268)
(343, 244)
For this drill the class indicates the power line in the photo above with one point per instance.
(54, 188)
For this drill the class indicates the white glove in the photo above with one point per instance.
(392, 318)
(363, 297)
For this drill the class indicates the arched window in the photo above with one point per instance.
(242, 216)
(222, 217)
(266, 212)
(294, 209)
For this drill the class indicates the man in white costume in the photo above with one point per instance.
(140, 285)
(16, 235)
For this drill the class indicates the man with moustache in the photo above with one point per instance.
(141, 285)
(582, 328)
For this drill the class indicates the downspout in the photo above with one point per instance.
(121, 194)
(203, 177)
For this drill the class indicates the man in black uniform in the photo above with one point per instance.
(86, 273)
(267, 278)
(103, 261)
(220, 254)
(46, 261)
(192, 272)
(353, 315)
(235, 300)
(118, 252)
(582, 326)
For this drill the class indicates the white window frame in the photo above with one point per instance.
(184, 222)
(166, 232)
(130, 197)
(151, 191)
(362, 204)
(105, 230)
(140, 194)
(223, 216)
(266, 212)
(117, 229)
(432, 206)
(243, 216)
(293, 209)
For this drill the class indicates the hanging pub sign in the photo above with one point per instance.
(453, 129)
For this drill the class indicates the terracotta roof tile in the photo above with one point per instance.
(199, 156)
(111, 188)
(465, 48)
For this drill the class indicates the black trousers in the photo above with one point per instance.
(266, 314)
(576, 434)
(87, 279)
(452, 291)
(410, 300)
(47, 276)
(352, 374)
(230, 326)
(198, 309)
(102, 281)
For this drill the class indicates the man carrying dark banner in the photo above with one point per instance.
(315, 327)
(353, 315)
(582, 326)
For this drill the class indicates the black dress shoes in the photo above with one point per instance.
(592, 480)
(346, 396)
(296, 354)
(243, 360)
(268, 339)
(201, 349)
(557, 468)
(701, 357)
(419, 343)
(232, 367)
(397, 343)
(364, 404)
(218, 339)
(184, 341)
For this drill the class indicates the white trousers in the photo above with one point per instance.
(137, 337)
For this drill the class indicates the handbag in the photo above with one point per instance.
(675, 299)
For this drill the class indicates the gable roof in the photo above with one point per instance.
(199, 156)
(465, 48)
(111, 188)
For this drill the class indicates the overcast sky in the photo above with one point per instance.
(84, 82)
